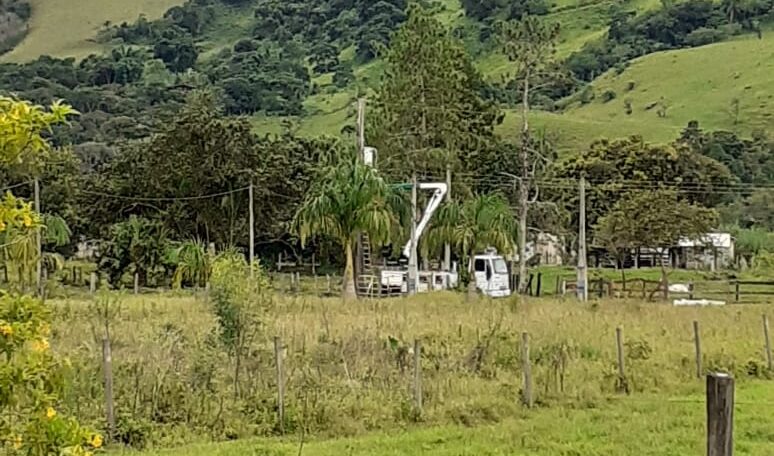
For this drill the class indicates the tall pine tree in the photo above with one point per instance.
(429, 110)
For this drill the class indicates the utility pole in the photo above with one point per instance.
(39, 238)
(361, 105)
(583, 278)
(447, 247)
(412, 266)
(252, 228)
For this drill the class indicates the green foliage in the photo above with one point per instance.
(653, 219)
(193, 264)
(430, 112)
(474, 225)
(349, 198)
(30, 386)
(137, 245)
(615, 166)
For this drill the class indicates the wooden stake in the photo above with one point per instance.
(136, 283)
(620, 350)
(93, 283)
(107, 370)
(280, 384)
(418, 375)
(768, 341)
(697, 344)
(526, 368)
(720, 414)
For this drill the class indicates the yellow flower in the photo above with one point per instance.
(17, 442)
(96, 441)
(27, 220)
(6, 329)
(40, 345)
(88, 453)
(50, 413)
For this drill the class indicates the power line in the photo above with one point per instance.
(164, 199)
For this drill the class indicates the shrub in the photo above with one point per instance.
(704, 35)
(30, 382)
(608, 95)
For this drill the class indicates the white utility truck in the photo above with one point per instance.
(489, 269)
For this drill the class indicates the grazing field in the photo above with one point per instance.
(648, 425)
(348, 371)
(67, 28)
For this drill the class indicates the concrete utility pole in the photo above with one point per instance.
(412, 266)
(583, 278)
(447, 247)
(252, 228)
(361, 105)
(39, 238)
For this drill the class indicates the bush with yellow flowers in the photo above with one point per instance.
(30, 383)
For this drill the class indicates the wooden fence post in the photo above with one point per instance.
(280, 384)
(720, 414)
(93, 282)
(539, 284)
(697, 344)
(418, 376)
(136, 283)
(767, 341)
(328, 278)
(107, 371)
(526, 368)
(622, 383)
(737, 291)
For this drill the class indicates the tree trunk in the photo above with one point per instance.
(349, 292)
(524, 188)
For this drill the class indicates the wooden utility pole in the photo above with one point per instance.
(412, 266)
(39, 239)
(720, 414)
(252, 228)
(583, 278)
(447, 246)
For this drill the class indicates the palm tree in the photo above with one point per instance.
(348, 199)
(473, 225)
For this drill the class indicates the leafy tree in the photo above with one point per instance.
(530, 44)
(615, 166)
(241, 299)
(348, 199)
(137, 245)
(653, 219)
(472, 226)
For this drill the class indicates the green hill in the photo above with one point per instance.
(67, 28)
(722, 85)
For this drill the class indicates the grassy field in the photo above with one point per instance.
(348, 373)
(648, 425)
(67, 28)
(696, 84)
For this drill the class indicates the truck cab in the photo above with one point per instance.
(491, 274)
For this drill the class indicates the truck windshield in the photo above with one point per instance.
(499, 266)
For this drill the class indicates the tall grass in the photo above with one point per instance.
(348, 366)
